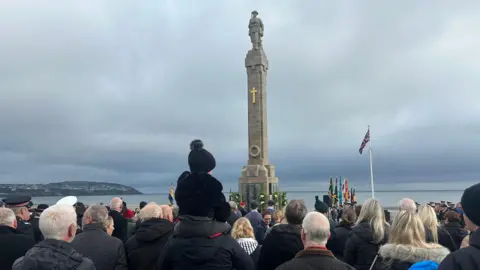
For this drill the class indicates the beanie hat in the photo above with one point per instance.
(320, 206)
(199, 159)
(470, 201)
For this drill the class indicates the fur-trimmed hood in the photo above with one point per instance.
(408, 253)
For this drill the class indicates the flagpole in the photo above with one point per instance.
(371, 165)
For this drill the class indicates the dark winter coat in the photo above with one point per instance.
(457, 232)
(105, 251)
(13, 245)
(36, 229)
(315, 259)
(361, 249)
(120, 225)
(201, 243)
(467, 258)
(146, 245)
(444, 238)
(281, 245)
(232, 218)
(258, 225)
(53, 254)
(336, 244)
(402, 257)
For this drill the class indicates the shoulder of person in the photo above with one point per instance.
(86, 264)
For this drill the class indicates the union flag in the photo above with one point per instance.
(365, 141)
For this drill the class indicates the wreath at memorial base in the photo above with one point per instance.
(235, 196)
(261, 202)
(280, 199)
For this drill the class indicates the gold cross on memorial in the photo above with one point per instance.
(253, 91)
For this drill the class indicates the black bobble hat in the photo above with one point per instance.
(320, 206)
(199, 159)
(470, 202)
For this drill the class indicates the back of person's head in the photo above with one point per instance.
(151, 210)
(59, 222)
(253, 205)
(407, 229)
(8, 218)
(242, 229)
(278, 215)
(167, 212)
(469, 202)
(315, 229)
(372, 212)
(142, 204)
(271, 203)
(233, 205)
(109, 225)
(427, 215)
(95, 214)
(349, 216)
(295, 212)
(452, 216)
(116, 204)
(407, 204)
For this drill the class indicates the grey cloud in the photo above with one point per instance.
(115, 92)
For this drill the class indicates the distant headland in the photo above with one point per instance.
(68, 188)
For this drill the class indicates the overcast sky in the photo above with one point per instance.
(115, 91)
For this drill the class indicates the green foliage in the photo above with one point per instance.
(235, 196)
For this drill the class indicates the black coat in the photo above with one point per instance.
(201, 243)
(446, 240)
(457, 232)
(146, 245)
(336, 244)
(361, 249)
(13, 245)
(280, 246)
(315, 259)
(120, 225)
(53, 254)
(36, 229)
(106, 252)
(25, 227)
(232, 218)
(465, 258)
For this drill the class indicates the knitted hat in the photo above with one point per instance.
(199, 159)
(470, 201)
(320, 206)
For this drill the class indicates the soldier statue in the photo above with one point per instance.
(255, 30)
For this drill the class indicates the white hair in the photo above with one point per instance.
(7, 217)
(56, 220)
(151, 210)
(233, 205)
(408, 205)
(116, 203)
(316, 228)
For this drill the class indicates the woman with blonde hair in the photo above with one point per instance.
(407, 246)
(368, 234)
(242, 231)
(433, 232)
(109, 225)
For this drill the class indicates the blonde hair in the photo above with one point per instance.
(429, 218)
(242, 229)
(108, 222)
(372, 212)
(407, 229)
(278, 215)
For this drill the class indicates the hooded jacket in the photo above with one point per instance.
(53, 254)
(361, 249)
(402, 257)
(464, 258)
(144, 248)
(202, 243)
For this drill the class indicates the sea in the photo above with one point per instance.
(388, 198)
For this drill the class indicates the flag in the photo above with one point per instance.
(330, 188)
(347, 195)
(335, 195)
(171, 195)
(365, 141)
(340, 194)
(353, 196)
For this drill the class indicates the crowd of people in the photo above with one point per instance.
(205, 231)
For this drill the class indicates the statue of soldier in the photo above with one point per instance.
(255, 30)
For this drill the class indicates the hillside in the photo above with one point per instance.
(77, 188)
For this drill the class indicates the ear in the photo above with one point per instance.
(72, 230)
(15, 224)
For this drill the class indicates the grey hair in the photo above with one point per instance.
(316, 228)
(295, 212)
(116, 203)
(233, 205)
(151, 210)
(7, 217)
(408, 205)
(97, 213)
(56, 220)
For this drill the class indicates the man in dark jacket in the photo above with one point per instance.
(19, 205)
(257, 222)
(58, 225)
(469, 257)
(13, 244)
(201, 243)
(284, 240)
(106, 252)
(233, 213)
(120, 223)
(145, 246)
(34, 221)
(315, 255)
